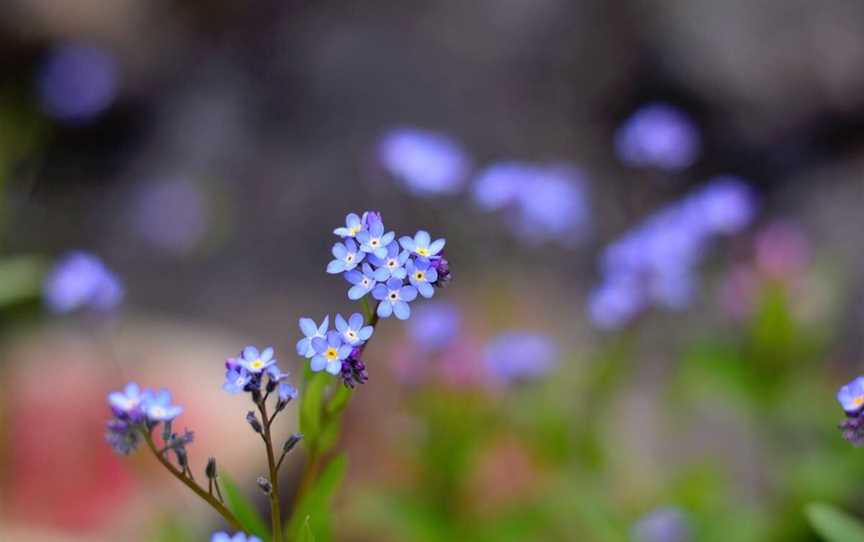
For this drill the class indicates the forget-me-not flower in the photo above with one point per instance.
(422, 244)
(346, 257)
(426, 163)
(80, 280)
(286, 392)
(434, 325)
(422, 276)
(353, 226)
(77, 81)
(364, 282)
(353, 331)
(374, 240)
(158, 407)
(127, 403)
(394, 299)
(851, 396)
(254, 361)
(238, 537)
(329, 353)
(311, 332)
(658, 135)
(236, 379)
(393, 263)
(122, 436)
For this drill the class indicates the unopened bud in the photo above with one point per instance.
(291, 442)
(264, 485)
(166, 431)
(182, 458)
(252, 420)
(210, 470)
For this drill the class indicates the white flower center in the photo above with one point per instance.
(391, 263)
(374, 242)
(394, 295)
(349, 258)
(365, 282)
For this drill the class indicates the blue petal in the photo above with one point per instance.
(341, 232)
(341, 324)
(432, 274)
(319, 344)
(365, 333)
(356, 320)
(322, 329)
(356, 292)
(339, 251)
(399, 273)
(402, 310)
(385, 309)
(380, 292)
(425, 289)
(394, 284)
(376, 229)
(407, 243)
(250, 353)
(354, 277)
(387, 238)
(408, 293)
(381, 274)
(334, 339)
(352, 220)
(317, 363)
(308, 327)
(267, 354)
(335, 267)
(350, 245)
(345, 351)
(436, 247)
(380, 252)
(422, 239)
(334, 367)
(363, 237)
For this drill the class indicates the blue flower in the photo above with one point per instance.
(346, 257)
(393, 263)
(238, 537)
(158, 407)
(374, 240)
(658, 135)
(353, 226)
(122, 436)
(254, 361)
(286, 392)
(520, 355)
(236, 380)
(426, 163)
(394, 299)
(128, 402)
(435, 325)
(666, 524)
(422, 244)
(275, 374)
(329, 353)
(77, 82)
(311, 332)
(726, 205)
(422, 275)
(353, 331)
(81, 280)
(364, 282)
(498, 185)
(851, 396)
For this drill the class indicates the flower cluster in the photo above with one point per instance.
(851, 398)
(656, 262)
(255, 372)
(393, 272)
(136, 410)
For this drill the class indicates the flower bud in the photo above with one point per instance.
(291, 442)
(252, 420)
(264, 485)
(166, 431)
(210, 470)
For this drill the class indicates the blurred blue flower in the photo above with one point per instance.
(286, 392)
(394, 299)
(238, 537)
(422, 244)
(374, 240)
(81, 280)
(520, 355)
(364, 282)
(347, 257)
(393, 264)
(614, 303)
(727, 205)
(127, 403)
(77, 81)
(658, 135)
(254, 361)
(311, 332)
(426, 163)
(497, 186)
(851, 396)
(329, 353)
(435, 325)
(158, 407)
(236, 380)
(353, 331)
(171, 215)
(422, 275)
(353, 226)
(666, 524)
(122, 436)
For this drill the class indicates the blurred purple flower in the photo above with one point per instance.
(238, 537)
(520, 355)
(77, 81)
(158, 407)
(81, 280)
(121, 436)
(435, 325)
(726, 204)
(172, 215)
(426, 163)
(614, 303)
(658, 135)
(127, 404)
(497, 186)
(666, 524)
(236, 379)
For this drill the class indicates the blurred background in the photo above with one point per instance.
(653, 214)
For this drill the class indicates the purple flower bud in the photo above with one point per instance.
(253, 422)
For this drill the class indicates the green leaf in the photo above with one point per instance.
(834, 525)
(244, 509)
(339, 400)
(314, 508)
(20, 279)
(311, 407)
(306, 534)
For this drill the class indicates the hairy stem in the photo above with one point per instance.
(275, 504)
(191, 484)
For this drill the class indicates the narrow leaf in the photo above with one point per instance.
(244, 509)
(314, 507)
(834, 525)
(306, 535)
(311, 407)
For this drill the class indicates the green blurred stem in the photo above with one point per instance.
(191, 484)
(275, 505)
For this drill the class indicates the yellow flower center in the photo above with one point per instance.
(858, 401)
(354, 229)
(423, 251)
(257, 364)
(331, 354)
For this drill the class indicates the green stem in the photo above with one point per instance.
(275, 505)
(198, 490)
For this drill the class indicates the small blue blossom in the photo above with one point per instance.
(422, 276)
(81, 280)
(435, 325)
(286, 392)
(127, 404)
(77, 82)
(353, 331)
(422, 244)
(726, 205)
(311, 332)
(353, 226)
(346, 255)
(520, 355)
(497, 186)
(364, 282)
(275, 374)
(851, 396)
(122, 436)
(238, 537)
(329, 353)
(658, 135)
(236, 380)
(393, 263)
(668, 524)
(426, 163)
(374, 240)
(394, 299)
(158, 407)
(255, 362)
